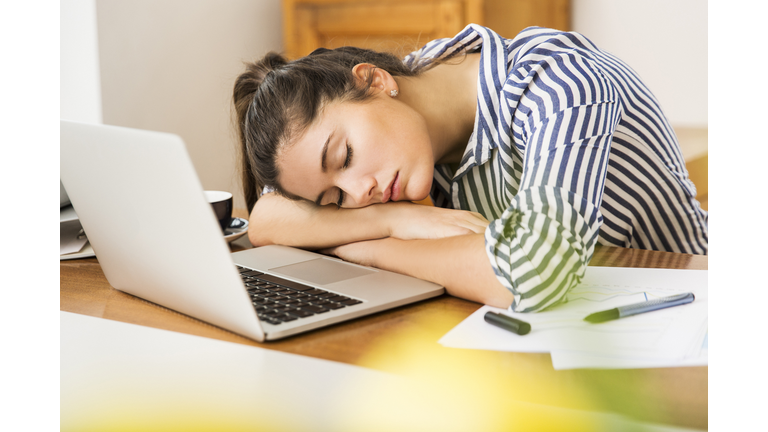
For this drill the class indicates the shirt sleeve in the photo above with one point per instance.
(563, 122)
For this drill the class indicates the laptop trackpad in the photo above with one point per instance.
(322, 271)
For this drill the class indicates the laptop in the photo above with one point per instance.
(142, 206)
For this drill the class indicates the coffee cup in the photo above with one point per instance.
(222, 206)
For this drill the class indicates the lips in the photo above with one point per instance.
(395, 189)
(389, 192)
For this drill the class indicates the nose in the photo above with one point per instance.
(361, 190)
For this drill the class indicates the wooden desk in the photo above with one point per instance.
(404, 340)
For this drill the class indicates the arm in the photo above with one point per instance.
(458, 263)
(564, 120)
(278, 220)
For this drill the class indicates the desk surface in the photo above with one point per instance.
(404, 340)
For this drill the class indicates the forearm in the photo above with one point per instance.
(459, 263)
(277, 220)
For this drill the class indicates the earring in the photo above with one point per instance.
(393, 93)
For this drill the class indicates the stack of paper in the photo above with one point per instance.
(675, 336)
(74, 243)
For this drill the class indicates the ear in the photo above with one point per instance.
(381, 81)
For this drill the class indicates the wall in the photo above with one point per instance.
(80, 77)
(665, 41)
(170, 66)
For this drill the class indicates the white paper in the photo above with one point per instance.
(562, 360)
(661, 337)
(72, 238)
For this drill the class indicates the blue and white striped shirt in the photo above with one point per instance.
(569, 149)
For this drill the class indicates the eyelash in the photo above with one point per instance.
(345, 166)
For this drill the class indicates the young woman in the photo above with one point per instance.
(555, 142)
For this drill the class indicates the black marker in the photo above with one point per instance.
(508, 323)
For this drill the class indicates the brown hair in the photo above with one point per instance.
(276, 100)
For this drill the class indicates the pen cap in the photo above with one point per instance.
(508, 323)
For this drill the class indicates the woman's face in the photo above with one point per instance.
(358, 154)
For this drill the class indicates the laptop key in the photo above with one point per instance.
(285, 282)
(314, 292)
(338, 298)
(290, 301)
(350, 302)
(320, 302)
(300, 313)
(300, 288)
(334, 306)
(313, 309)
(252, 273)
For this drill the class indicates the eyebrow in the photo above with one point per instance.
(323, 165)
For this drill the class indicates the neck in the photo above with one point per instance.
(446, 97)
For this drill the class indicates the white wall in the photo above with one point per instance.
(80, 77)
(170, 65)
(665, 41)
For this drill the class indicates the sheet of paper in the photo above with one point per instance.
(668, 335)
(72, 237)
(67, 214)
(562, 360)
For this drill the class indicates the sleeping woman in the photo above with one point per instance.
(533, 150)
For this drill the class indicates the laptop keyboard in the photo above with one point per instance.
(279, 300)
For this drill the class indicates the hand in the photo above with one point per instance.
(408, 221)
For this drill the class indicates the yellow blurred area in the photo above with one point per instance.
(445, 389)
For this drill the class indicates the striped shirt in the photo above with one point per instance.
(569, 149)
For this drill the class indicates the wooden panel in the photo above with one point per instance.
(698, 169)
(400, 45)
(694, 143)
(450, 18)
(509, 17)
(473, 11)
(307, 39)
(398, 26)
(402, 26)
(379, 18)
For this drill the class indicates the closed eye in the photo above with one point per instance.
(343, 167)
(349, 157)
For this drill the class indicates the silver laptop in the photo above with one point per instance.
(155, 235)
